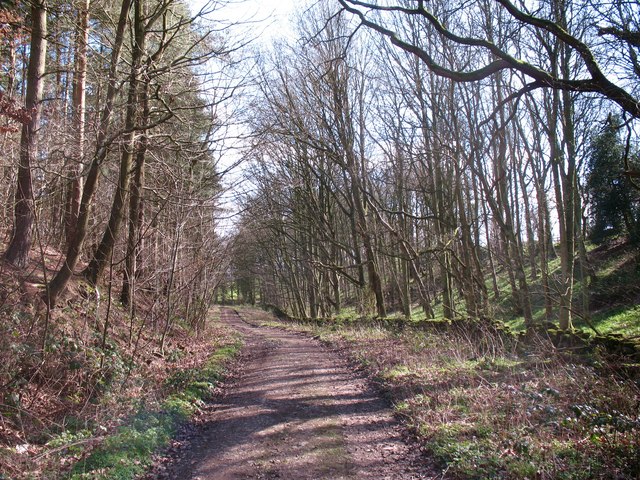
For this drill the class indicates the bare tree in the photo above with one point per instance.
(589, 79)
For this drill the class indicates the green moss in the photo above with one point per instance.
(397, 372)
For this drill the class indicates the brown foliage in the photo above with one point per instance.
(9, 108)
(11, 27)
(71, 381)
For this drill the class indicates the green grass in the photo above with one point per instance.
(127, 453)
(478, 423)
(346, 314)
(622, 320)
(614, 292)
(398, 372)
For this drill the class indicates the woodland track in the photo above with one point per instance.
(296, 410)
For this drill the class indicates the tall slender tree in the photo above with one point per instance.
(59, 282)
(17, 252)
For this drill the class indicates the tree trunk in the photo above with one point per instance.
(136, 214)
(375, 283)
(17, 252)
(74, 191)
(59, 282)
(564, 176)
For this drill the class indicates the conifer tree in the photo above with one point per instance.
(614, 203)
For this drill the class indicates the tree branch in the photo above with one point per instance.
(597, 83)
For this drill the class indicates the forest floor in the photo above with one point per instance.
(296, 409)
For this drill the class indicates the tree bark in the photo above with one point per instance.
(58, 284)
(17, 252)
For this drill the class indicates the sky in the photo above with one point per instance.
(262, 22)
(266, 18)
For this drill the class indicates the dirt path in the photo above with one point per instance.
(295, 412)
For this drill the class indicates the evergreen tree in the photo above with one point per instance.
(614, 202)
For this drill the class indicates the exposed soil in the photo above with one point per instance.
(295, 411)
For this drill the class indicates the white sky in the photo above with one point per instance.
(261, 22)
(266, 19)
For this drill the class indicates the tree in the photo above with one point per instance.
(100, 258)
(311, 151)
(74, 247)
(590, 78)
(519, 48)
(18, 250)
(614, 202)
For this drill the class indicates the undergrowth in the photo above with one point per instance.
(68, 390)
(128, 452)
(487, 407)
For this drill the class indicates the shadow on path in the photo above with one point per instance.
(296, 412)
